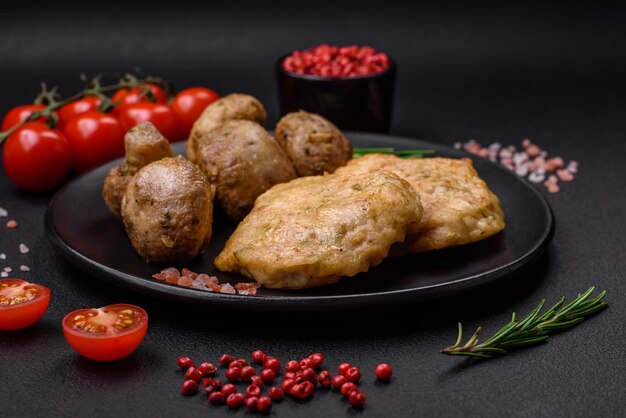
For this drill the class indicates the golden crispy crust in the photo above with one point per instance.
(314, 230)
(458, 206)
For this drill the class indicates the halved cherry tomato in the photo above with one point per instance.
(161, 115)
(188, 104)
(106, 334)
(126, 97)
(84, 105)
(95, 138)
(21, 303)
(37, 158)
(20, 113)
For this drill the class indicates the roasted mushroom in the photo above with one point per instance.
(243, 161)
(232, 107)
(314, 144)
(168, 210)
(144, 144)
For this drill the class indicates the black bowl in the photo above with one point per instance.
(361, 103)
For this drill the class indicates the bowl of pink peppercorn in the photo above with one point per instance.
(352, 86)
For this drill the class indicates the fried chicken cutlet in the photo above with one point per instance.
(315, 230)
(458, 206)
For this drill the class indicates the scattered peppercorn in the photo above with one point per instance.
(275, 393)
(185, 362)
(357, 399)
(258, 357)
(383, 372)
(235, 400)
(226, 359)
(189, 387)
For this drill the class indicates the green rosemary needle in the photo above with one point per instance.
(532, 329)
(417, 153)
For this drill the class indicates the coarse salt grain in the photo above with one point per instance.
(227, 288)
(12, 224)
(8, 269)
(531, 162)
(3, 256)
(457, 145)
(24, 249)
(24, 268)
(3, 213)
(536, 177)
(4, 274)
(565, 175)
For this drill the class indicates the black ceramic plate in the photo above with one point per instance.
(80, 227)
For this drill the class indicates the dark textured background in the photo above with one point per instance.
(554, 74)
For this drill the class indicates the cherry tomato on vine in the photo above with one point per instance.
(95, 138)
(161, 115)
(84, 105)
(20, 113)
(105, 334)
(21, 303)
(37, 158)
(188, 104)
(129, 96)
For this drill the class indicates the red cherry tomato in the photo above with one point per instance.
(105, 334)
(20, 113)
(130, 96)
(95, 138)
(188, 104)
(161, 115)
(37, 158)
(87, 104)
(21, 303)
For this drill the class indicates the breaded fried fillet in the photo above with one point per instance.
(458, 206)
(314, 230)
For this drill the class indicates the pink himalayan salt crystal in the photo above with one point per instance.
(3, 213)
(533, 150)
(185, 272)
(565, 175)
(552, 187)
(4, 274)
(247, 288)
(227, 288)
(24, 249)
(8, 269)
(554, 163)
(526, 142)
(536, 177)
(24, 268)
(12, 224)
(170, 275)
(185, 281)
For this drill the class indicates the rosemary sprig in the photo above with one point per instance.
(418, 153)
(532, 329)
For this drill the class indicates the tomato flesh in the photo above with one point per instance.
(106, 334)
(21, 303)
